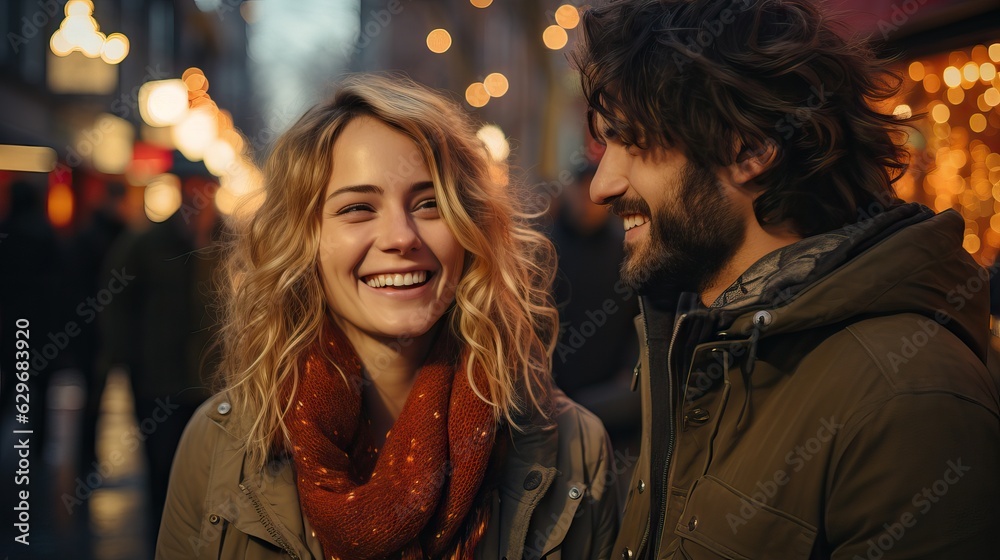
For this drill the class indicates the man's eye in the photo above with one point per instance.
(354, 208)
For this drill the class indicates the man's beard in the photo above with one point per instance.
(693, 236)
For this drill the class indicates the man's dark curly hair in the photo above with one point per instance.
(724, 79)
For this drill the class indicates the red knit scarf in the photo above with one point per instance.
(412, 500)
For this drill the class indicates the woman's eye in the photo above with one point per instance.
(354, 208)
(430, 203)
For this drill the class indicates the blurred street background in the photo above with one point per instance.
(130, 130)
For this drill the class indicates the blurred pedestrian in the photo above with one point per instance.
(597, 348)
(158, 328)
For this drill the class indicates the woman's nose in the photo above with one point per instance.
(398, 234)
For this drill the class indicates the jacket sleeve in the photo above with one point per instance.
(181, 528)
(917, 478)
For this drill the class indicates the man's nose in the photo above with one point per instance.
(610, 181)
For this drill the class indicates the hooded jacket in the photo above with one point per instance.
(556, 497)
(834, 403)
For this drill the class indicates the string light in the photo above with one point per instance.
(959, 93)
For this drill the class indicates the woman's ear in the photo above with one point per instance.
(751, 162)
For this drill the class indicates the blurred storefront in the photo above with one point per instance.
(948, 56)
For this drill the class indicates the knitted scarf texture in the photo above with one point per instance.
(414, 497)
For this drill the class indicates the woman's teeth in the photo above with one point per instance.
(405, 279)
(634, 220)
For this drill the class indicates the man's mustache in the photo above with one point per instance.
(624, 206)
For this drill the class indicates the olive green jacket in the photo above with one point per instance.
(557, 498)
(846, 416)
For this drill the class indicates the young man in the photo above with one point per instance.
(812, 368)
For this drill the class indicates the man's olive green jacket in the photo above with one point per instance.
(840, 409)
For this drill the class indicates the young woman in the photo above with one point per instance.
(386, 355)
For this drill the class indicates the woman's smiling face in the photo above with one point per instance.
(390, 264)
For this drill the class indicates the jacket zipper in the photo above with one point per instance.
(267, 523)
(670, 443)
(645, 335)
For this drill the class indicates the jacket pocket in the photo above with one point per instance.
(721, 522)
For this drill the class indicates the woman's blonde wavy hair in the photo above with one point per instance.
(272, 299)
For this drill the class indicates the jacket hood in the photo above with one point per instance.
(903, 260)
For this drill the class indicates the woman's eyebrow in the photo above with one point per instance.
(362, 189)
(373, 189)
(422, 185)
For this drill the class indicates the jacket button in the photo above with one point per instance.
(693, 523)
(213, 519)
(627, 554)
(224, 408)
(533, 480)
(575, 493)
(697, 417)
(641, 487)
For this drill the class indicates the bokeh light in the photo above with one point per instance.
(195, 133)
(115, 48)
(977, 122)
(476, 95)
(555, 37)
(932, 84)
(940, 113)
(79, 31)
(163, 102)
(496, 142)
(496, 84)
(60, 205)
(162, 197)
(567, 16)
(438, 41)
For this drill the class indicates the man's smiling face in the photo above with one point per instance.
(680, 223)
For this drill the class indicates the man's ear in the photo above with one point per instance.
(751, 162)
